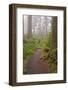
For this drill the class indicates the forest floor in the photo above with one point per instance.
(36, 64)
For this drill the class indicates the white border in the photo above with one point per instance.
(60, 36)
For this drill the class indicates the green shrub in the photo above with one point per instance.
(50, 55)
(53, 60)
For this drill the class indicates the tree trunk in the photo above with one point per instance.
(29, 26)
(54, 33)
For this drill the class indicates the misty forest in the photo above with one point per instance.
(39, 44)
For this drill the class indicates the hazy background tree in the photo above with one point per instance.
(37, 26)
(27, 25)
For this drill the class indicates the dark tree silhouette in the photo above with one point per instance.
(54, 32)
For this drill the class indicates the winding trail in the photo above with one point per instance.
(36, 65)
